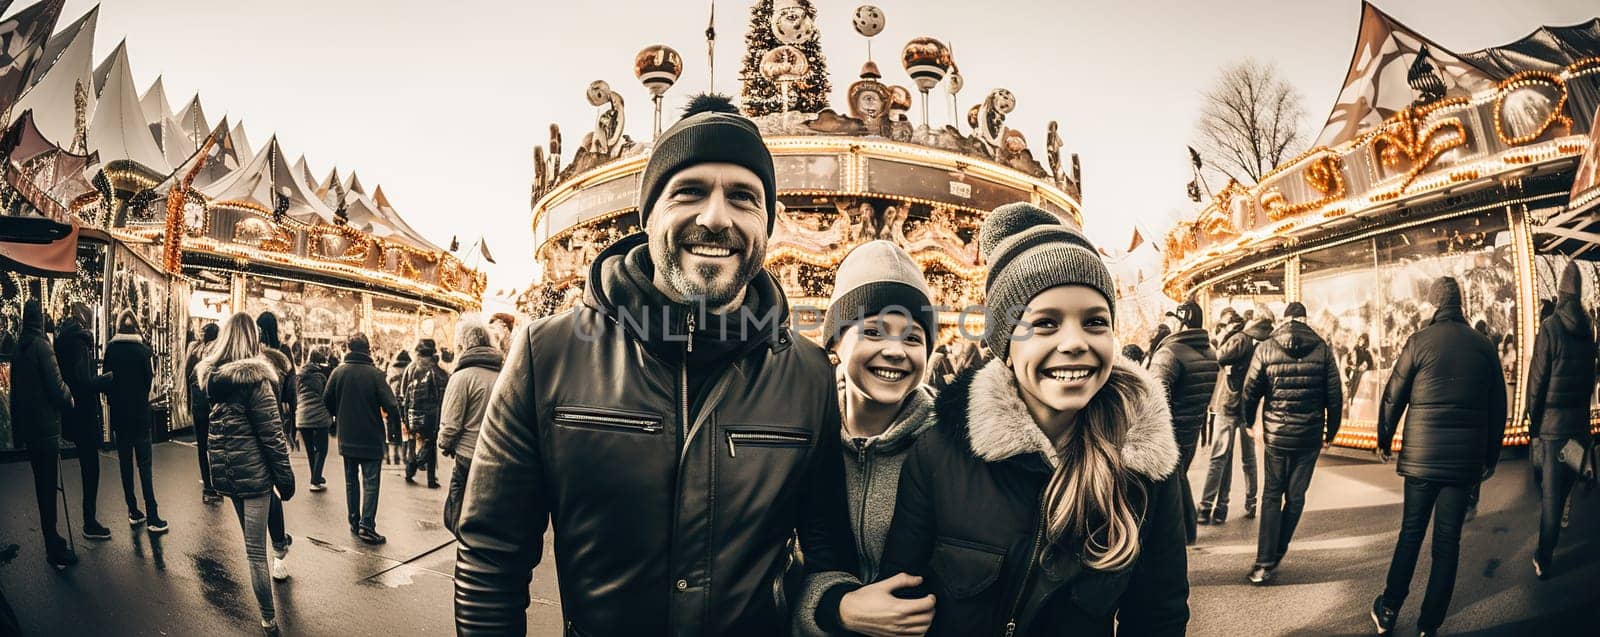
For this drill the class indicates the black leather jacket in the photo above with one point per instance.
(673, 509)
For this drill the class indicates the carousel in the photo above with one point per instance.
(128, 205)
(1432, 163)
(868, 173)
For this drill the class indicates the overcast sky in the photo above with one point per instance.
(443, 102)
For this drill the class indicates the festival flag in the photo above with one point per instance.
(22, 40)
(1138, 239)
(483, 247)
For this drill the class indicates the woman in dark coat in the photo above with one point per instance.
(132, 367)
(75, 351)
(249, 450)
(1045, 500)
(38, 398)
(311, 414)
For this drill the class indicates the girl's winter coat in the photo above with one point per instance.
(967, 519)
(249, 452)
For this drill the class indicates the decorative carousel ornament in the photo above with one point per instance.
(869, 101)
(926, 60)
(991, 126)
(953, 87)
(606, 139)
(868, 21)
(658, 68)
(784, 65)
(791, 25)
(899, 105)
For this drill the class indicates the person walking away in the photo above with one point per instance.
(1295, 376)
(39, 397)
(274, 351)
(249, 449)
(200, 409)
(360, 400)
(879, 324)
(1561, 379)
(132, 367)
(75, 351)
(311, 413)
(424, 384)
(466, 396)
(1186, 365)
(1238, 345)
(397, 450)
(672, 425)
(1045, 501)
(1447, 383)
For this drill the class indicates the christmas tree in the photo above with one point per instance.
(761, 96)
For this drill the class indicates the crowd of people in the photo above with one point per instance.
(708, 472)
(247, 401)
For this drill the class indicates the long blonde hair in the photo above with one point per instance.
(236, 341)
(1088, 494)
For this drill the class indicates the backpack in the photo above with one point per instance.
(424, 387)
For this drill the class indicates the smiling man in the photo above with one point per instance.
(671, 429)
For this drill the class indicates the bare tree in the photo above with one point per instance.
(1252, 119)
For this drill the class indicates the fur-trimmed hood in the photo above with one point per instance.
(246, 372)
(983, 411)
(277, 359)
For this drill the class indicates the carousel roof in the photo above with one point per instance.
(58, 43)
(192, 120)
(1548, 49)
(119, 130)
(39, 166)
(393, 218)
(1384, 76)
(103, 71)
(266, 181)
(53, 97)
(175, 145)
(155, 105)
(241, 143)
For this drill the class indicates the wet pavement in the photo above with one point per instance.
(193, 580)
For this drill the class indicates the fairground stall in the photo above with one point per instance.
(119, 203)
(1432, 163)
(844, 178)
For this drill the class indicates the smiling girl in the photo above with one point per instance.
(880, 327)
(1044, 501)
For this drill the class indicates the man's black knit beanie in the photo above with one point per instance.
(711, 131)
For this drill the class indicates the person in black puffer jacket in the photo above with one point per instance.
(38, 398)
(360, 399)
(1296, 375)
(75, 352)
(1234, 429)
(311, 413)
(1561, 379)
(249, 449)
(1448, 384)
(132, 366)
(1187, 368)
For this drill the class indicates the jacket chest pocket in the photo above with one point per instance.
(627, 444)
(964, 568)
(608, 420)
(750, 438)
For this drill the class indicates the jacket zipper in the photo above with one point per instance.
(762, 438)
(641, 424)
(1027, 571)
(861, 516)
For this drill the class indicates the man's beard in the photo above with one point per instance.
(714, 291)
